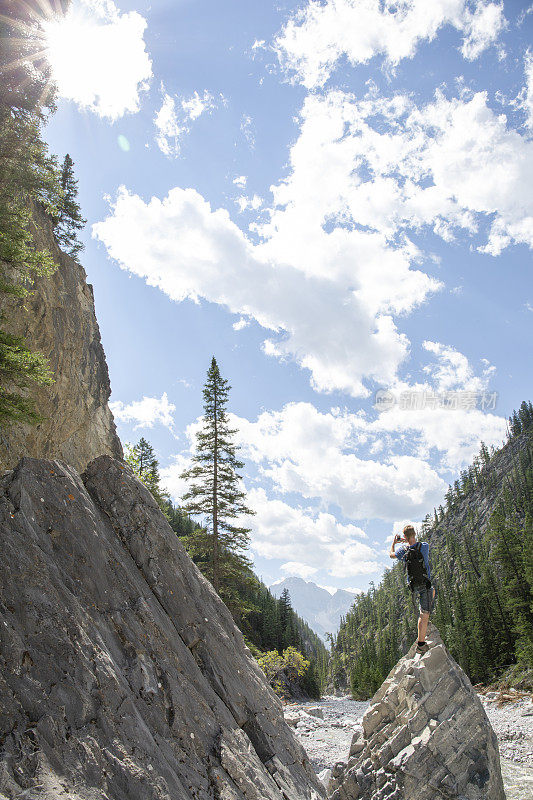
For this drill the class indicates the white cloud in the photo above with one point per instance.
(170, 476)
(387, 168)
(240, 324)
(189, 251)
(481, 27)
(320, 34)
(240, 181)
(173, 119)
(281, 531)
(453, 371)
(525, 98)
(249, 203)
(340, 260)
(311, 453)
(145, 413)
(98, 57)
(332, 456)
(247, 129)
(298, 568)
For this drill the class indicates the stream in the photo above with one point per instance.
(328, 740)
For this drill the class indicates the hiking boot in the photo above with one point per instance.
(422, 648)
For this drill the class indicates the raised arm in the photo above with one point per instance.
(395, 541)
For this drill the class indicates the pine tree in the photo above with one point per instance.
(69, 221)
(215, 492)
(142, 459)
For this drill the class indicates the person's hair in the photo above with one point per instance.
(409, 531)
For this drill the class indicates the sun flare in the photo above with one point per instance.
(98, 57)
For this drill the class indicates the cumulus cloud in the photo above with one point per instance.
(481, 27)
(190, 251)
(331, 456)
(173, 119)
(145, 413)
(311, 453)
(249, 203)
(298, 568)
(388, 168)
(336, 267)
(320, 34)
(171, 476)
(281, 531)
(453, 371)
(98, 57)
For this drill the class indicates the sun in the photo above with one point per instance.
(93, 53)
(72, 45)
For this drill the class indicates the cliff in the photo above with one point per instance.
(425, 735)
(58, 319)
(123, 674)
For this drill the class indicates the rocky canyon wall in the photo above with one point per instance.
(58, 319)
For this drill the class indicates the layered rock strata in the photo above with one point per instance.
(123, 674)
(425, 736)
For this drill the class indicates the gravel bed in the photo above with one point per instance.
(513, 725)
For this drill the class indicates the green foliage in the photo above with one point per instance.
(29, 178)
(27, 175)
(69, 219)
(214, 490)
(142, 459)
(19, 368)
(289, 666)
(483, 567)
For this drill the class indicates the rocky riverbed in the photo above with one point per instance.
(326, 728)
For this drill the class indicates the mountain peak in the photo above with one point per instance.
(321, 610)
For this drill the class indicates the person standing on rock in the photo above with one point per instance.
(416, 559)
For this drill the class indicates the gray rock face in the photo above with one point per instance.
(59, 320)
(425, 736)
(123, 674)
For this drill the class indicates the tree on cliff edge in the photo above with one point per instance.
(215, 492)
(142, 459)
(69, 221)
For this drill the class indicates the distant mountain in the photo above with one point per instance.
(320, 609)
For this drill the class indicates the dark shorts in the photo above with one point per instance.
(425, 597)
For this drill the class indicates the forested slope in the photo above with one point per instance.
(481, 547)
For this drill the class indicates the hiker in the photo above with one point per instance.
(416, 558)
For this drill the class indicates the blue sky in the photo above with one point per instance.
(333, 199)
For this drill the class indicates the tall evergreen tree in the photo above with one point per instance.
(215, 492)
(69, 220)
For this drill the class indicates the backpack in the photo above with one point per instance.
(416, 567)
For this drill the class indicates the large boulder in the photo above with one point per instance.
(123, 674)
(425, 736)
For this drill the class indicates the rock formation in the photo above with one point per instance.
(59, 320)
(425, 736)
(123, 674)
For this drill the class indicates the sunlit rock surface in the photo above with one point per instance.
(58, 319)
(425, 736)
